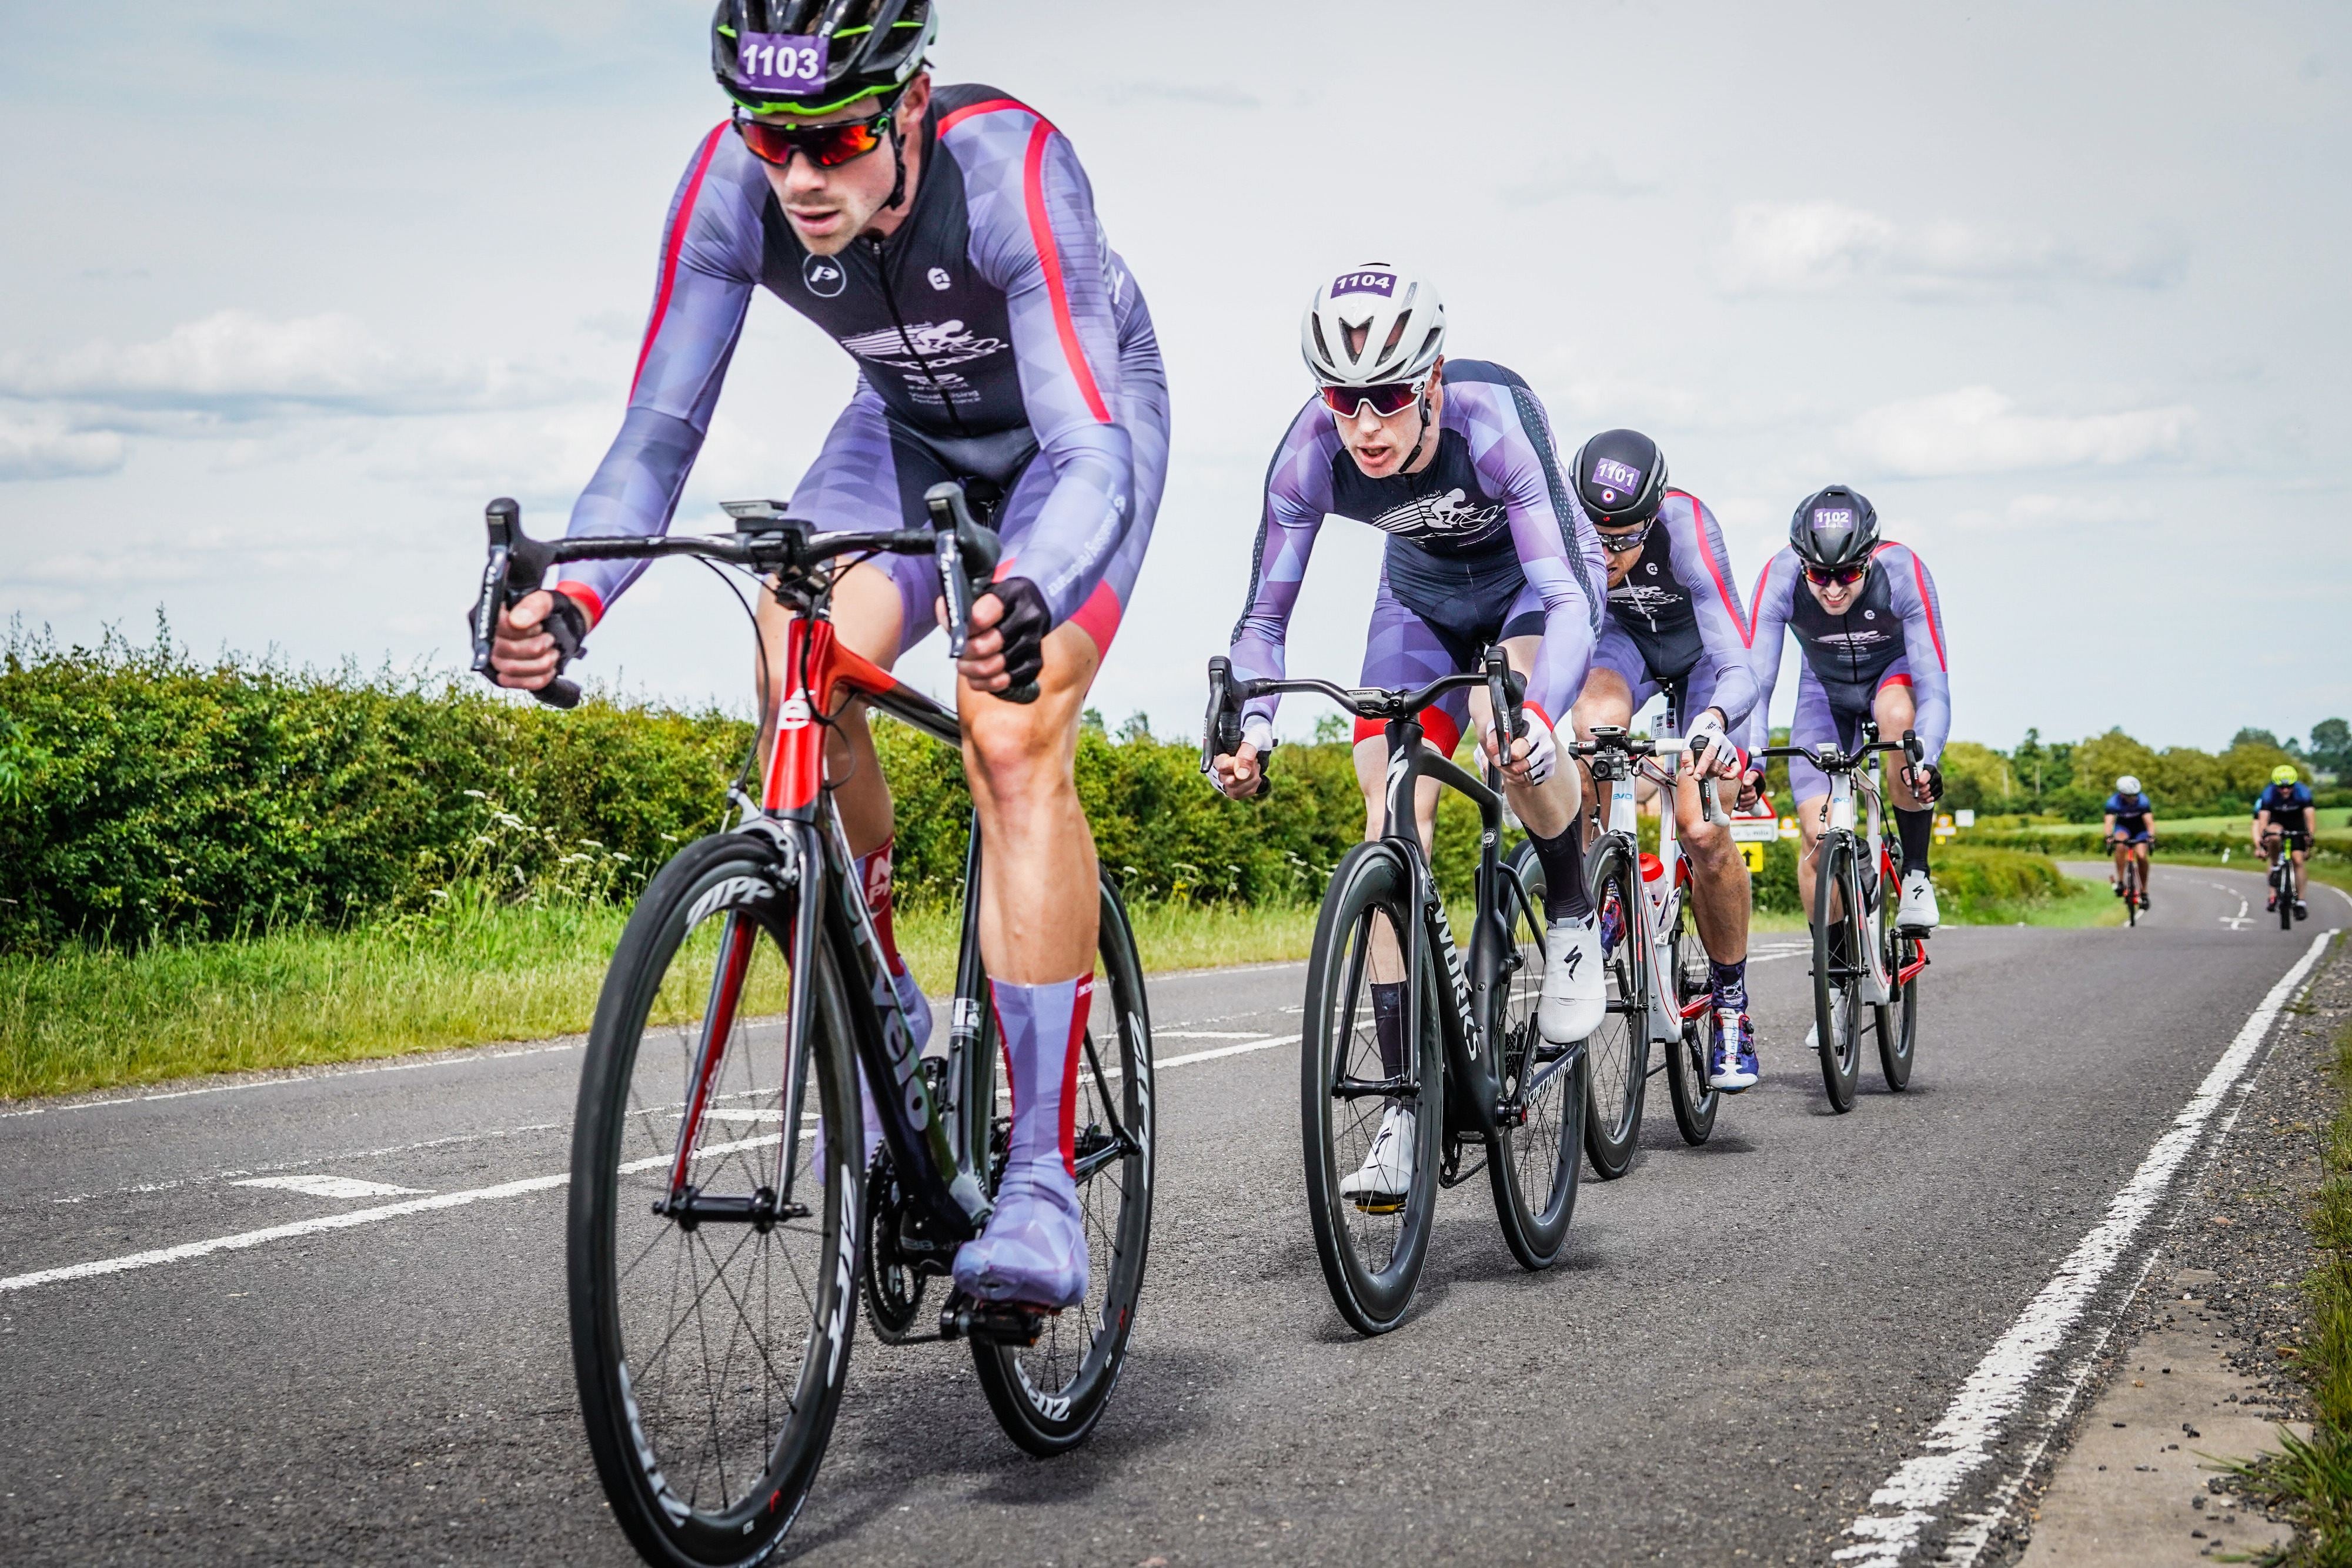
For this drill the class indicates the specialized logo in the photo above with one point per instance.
(939, 279)
(1380, 283)
(1617, 476)
(934, 343)
(1452, 514)
(823, 277)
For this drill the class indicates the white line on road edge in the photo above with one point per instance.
(344, 1221)
(1963, 1441)
(281, 1082)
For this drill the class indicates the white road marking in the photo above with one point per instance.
(1974, 1423)
(330, 1187)
(1158, 1034)
(2239, 921)
(291, 1078)
(1268, 1043)
(342, 1156)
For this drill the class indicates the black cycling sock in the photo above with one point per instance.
(1387, 1025)
(1730, 982)
(1917, 831)
(1565, 895)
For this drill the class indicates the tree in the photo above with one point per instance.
(2252, 736)
(2331, 747)
(1979, 778)
(2102, 760)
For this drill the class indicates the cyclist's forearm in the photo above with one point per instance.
(1084, 519)
(635, 491)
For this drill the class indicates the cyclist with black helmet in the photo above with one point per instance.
(1674, 625)
(1454, 460)
(2131, 831)
(2285, 807)
(947, 238)
(1871, 627)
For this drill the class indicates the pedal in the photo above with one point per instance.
(993, 1323)
(1379, 1203)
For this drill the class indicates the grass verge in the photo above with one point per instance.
(479, 970)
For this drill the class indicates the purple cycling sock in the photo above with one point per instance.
(1041, 1028)
(1730, 982)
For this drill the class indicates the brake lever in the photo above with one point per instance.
(515, 557)
(1504, 688)
(967, 555)
(1221, 732)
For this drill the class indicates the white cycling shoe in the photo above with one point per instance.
(1380, 1184)
(1575, 994)
(1918, 911)
(1837, 1022)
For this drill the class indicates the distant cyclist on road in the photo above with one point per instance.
(947, 240)
(2284, 808)
(1871, 628)
(2131, 831)
(1674, 625)
(1454, 462)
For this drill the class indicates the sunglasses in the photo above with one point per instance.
(1388, 399)
(1631, 540)
(1839, 576)
(827, 146)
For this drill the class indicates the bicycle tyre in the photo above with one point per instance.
(2131, 891)
(1838, 1028)
(1694, 1103)
(1539, 1154)
(1049, 1421)
(1897, 1021)
(731, 877)
(1370, 1269)
(2286, 892)
(1617, 1055)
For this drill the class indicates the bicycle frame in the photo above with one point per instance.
(1845, 783)
(1652, 926)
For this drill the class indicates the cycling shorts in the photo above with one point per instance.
(1833, 715)
(1690, 692)
(873, 470)
(1403, 647)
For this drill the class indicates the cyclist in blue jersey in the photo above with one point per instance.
(1454, 460)
(2131, 830)
(2284, 808)
(946, 238)
(1868, 622)
(1674, 625)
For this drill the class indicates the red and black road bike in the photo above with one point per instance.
(724, 1214)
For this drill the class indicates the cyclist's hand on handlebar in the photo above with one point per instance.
(536, 638)
(1712, 754)
(1533, 755)
(1927, 782)
(1007, 644)
(1236, 776)
(1751, 791)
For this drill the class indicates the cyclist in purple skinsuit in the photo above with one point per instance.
(1000, 342)
(1871, 627)
(1454, 460)
(1675, 626)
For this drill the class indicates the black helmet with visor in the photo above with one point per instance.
(1834, 527)
(1621, 476)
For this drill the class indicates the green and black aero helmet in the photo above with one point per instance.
(838, 51)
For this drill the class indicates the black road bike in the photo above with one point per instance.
(1469, 1067)
(724, 1216)
(1862, 960)
(2284, 842)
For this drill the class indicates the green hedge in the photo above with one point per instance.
(2091, 843)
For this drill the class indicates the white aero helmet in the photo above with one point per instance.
(2126, 785)
(1401, 317)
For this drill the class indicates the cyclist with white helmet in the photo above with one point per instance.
(2131, 831)
(2285, 807)
(1674, 625)
(946, 238)
(1455, 461)
(1871, 628)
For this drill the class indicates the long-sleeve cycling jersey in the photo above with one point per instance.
(1675, 618)
(996, 324)
(1892, 632)
(1487, 518)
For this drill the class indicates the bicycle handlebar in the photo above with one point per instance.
(1610, 738)
(1222, 730)
(1830, 759)
(765, 540)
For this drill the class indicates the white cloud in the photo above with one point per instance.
(1976, 430)
(237, 364)
(40, 444)
(1813, 246)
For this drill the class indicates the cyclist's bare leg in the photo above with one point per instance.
(1812, 818)
(1719, 894)
(867, 617)
(1020, 758)
(1896, 714)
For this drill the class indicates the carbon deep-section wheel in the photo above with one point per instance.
(1372, 1090)
(1837, 962)
(1687, 1059)
(715, 1188)
(1539, 1157)
(1617, 1055)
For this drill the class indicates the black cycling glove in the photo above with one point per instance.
(1927, 782)
(1026, 621)
(568, 625)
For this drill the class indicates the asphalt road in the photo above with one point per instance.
(1741, 1344)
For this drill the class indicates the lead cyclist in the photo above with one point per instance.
(1455, 463)
(947, 238)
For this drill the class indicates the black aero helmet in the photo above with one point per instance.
(1836, 526)
(812, 56)
(1620, 476)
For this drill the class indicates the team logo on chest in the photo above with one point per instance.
(1451, 515)
(934, 344)
(823, 277)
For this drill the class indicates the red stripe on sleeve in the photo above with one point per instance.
(1755, 610)
(1927, 604)
(1698, 527)
(956, 117)
(672, 242)
(1049, 256)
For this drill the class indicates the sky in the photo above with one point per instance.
(288, 292)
